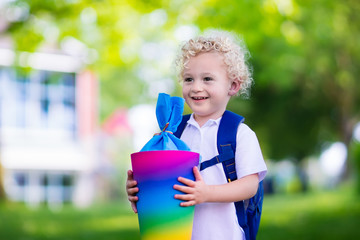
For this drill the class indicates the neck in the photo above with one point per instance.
(201, 120)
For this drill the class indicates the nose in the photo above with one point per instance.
(197, 86)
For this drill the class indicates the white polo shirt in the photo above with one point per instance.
(214, 221)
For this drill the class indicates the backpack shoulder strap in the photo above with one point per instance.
(228, 129)
(248, 216)
(226, 141)
(182, 125)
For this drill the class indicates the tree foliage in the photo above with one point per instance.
(305, 66)
(305, 57)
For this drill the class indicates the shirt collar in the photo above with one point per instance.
(210, 122)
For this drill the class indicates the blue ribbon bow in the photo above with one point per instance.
(169, 114)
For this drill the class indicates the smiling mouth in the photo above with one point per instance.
(199, 98)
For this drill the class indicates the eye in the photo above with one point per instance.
(188, 79)
(207, 79)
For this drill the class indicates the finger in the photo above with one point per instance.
(130, 175)
(184, 197)
(183, 189)
(131, 183)
(186, 181)
(187, 204)
(132, 191)
(197, 174)
(133, 199)
(133, 206)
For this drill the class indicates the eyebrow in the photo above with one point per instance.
(207, 73)
(202, 74)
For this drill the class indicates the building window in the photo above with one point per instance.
(42, 187)
(39, 100)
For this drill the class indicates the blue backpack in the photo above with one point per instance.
(249, 211)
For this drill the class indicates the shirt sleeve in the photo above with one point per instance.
(248, 156)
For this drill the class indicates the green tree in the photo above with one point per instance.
(304, 56)
(111, 30)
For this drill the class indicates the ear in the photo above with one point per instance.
(234, 87)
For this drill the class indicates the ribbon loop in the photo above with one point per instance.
(164, 130)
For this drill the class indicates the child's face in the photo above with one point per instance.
(206, 86)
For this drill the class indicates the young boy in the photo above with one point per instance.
(212, 69)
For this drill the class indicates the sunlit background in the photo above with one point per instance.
(78, 86)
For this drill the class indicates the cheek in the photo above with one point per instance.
(185, 90)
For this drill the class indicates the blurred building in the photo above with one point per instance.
(48, 122)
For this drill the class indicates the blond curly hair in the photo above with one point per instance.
(229, 46)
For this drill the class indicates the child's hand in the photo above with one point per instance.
(195, 191)
(132, 190)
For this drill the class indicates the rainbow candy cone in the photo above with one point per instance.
(160, 215)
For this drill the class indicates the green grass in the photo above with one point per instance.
(314, 215)
(318, 215)
(108, 222)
